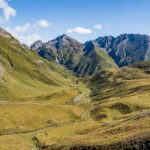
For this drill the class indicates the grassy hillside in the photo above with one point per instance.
(92, 62)
(118, 115)
(42, 106)
(25, 75)
(34, 94)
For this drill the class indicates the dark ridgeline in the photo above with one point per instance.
(93, 56)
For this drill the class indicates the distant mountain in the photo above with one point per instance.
(63, 50)
(92, 60)
(83, 59)
(40, 100)
(126, 49)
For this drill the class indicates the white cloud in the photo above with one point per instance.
(42, 24)
(29, 39)
(7, 10)
(25, 27)
(25, 33)
(98, 26)
(22, 28)
(79, 30)
(11, 31)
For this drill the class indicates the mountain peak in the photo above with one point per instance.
(36, 45)
(89, 46)
(65, 37)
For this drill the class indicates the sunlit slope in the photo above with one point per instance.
(42, 106)
(120, 92)
(120, 83)
(25, 75)
(118, 115)
(92, 61)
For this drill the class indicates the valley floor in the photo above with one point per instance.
(69, 121)
(111, 111)
(43, 106)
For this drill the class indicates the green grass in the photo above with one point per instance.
(36, 102)
(118, 112)
(28, 75)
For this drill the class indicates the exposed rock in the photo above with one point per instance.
(37, 45)
(140, 143)
(126, 49)
(83, 60)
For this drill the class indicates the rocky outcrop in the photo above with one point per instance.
(83, 59)
(133, 144)
(93, 60)
(63, 50)
(37, 45)
(126, 49)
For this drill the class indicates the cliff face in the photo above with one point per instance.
(92, 60)
(126, 49)
(83, 59)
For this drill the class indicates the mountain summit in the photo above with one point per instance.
(83, 59)
(40, 100)
(63, 50)
(126, 49)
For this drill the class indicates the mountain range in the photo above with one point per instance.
(46, 105)
(93, 56)
(126, 49)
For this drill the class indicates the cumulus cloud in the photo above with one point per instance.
(79, 30)
(25, 33)
(7, 10)
(42, 24)
(98, 26)
(29, 39)
(22, 28)
(25, 27)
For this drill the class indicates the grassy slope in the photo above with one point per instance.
(37, 100)
(27, 75)
(33, 93)
(92, 62)
(120, 111)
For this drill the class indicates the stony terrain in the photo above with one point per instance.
(92, 56)
(126, 49)
(82, 59)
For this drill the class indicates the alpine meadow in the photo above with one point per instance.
(74, 75)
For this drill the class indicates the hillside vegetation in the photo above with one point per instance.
(33, 93)
(25, 75)
(118, 115)
(44, 107)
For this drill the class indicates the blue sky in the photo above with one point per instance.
(30, 20)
